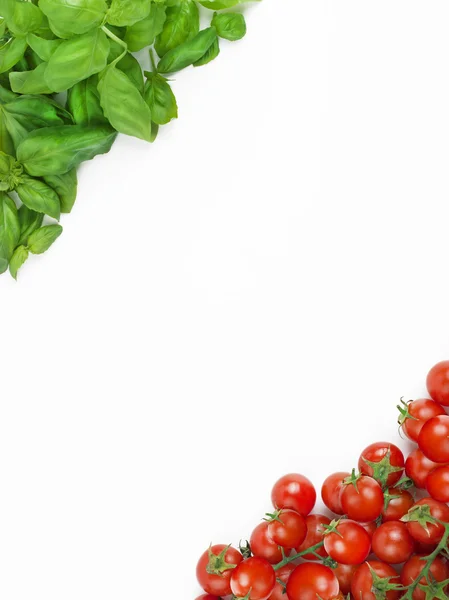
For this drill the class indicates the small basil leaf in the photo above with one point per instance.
(182, 23)
(160, 98)
(11, 172)
(29, 220)
(41, 239)
(143, 33)
(17, 260)
(66, 187)
(210, 55)
(25, 18)
(222, 4)
(39, 196)
(11, 52)
(188, 53)
(84, 103)
(9, 229)
(70, 17)
(30, 82)
(128, 12)
(42, 47)
(230, 26)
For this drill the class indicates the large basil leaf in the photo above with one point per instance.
(39, 196)
(84, 103)
(9, 230)
(160, 98)
(128, 12)
(142, 34)
(11, 52)
(66, 187)
(210, 55)
(29, 220)
(182, 24)
(24, 18)
(30, 82)
(73, 17)
(188, 53)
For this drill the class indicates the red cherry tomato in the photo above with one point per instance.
(296, 492)
(438, 383)
(439, 570)
(288, 529)
(419, 412)
(430, 533)
(208, 597)
(387, 463)
(362, 500)
(399, 504)
(438, 484)
(392, 543)
(370, 528)
(363, 587)
(262, 545)
(331, 491)
(217, 558)
(418, 467)
(350, 544)
(283, 574)
(344, 574)
(434, 439)
(310, 581)
(315, 530)
(253, 579)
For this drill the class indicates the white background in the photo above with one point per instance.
(249, 296)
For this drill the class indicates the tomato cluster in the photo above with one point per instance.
(380, 541)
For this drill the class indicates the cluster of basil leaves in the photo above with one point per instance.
(69, 81)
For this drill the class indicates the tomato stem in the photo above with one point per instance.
(289, 559)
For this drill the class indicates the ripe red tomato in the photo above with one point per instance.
(439, 570)
(399, 504)
(296, 492)
(370, 528)
(310, 581)
(253, 579)
(430, 533)
(382, 461)
(315, 530)
(262, 545)
(438, 483)
(418, 467)
(438, 383)
(288, 529)
(344, 574)
(222, 559)
(392, 543)
(283, 574)
(331, 491)
(363, 587)
(362, 500)
(208, 597)
(434, 439)
(350, 544)
(418, 413)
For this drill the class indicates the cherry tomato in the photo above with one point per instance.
(362, 500)
(438, 383)
(382, 461)
(262, 545)
(392, 543)
(418, 413)
(331, 491)
(344, 574)
(430, 533)
(434, 439)
(418, 467)
(222, 559)
(438, 484)
(288, 529)
(400, 502)
(370, 528)
(362, 586)
(296, 492)
(439, 570)
(208, 597)
(349, 544)
(315, 530)
(310, 581)
(283, 574)
(253, 579)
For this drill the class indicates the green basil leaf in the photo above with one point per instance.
(143, 33)
(210, 55)
(9, 229)
(56, 150)
(84, 103)
(77, 59)
(182, 24)
(25, 18)
(42, 47)
(29, 220)
(160, 98)
(131, 67)
(6, 143)
(39, 196)
(222, 4)
(230, 26)
(73, 17)
(66, 187)
(128, 12)
(123, 104)
(17, 260)
(41, 239)
(188, 53)
(11, 52)
(6, 95)
(30, 82)
(11, 172)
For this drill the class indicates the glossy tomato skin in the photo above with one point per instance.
(437, 484)
(350, 544)
(392, 543)
(378, 451)
(432, 532)
(253, 578)
(438, 383)
(207, 597)
(398, 506)
(420, 412)
(362, 582)
(262, 545)
(331, 491)
(289, 530)
(217, 585)
(283, 574)
(363, 501)
(294, 491)
(310, 581)
(418, 467)
(413, 567)
(433, 440)
(344, 574)
(370, 528)
(315, 531)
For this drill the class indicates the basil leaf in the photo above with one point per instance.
(17, 260)
(25, 18)
(188, 53)
(160, 98)
(30, 82)
(131, 67)
(66, 187)
(39, 196)
(56, 150)
(6, 143)
(11, 52)
(230, 26)
(77, 59)
(73, 17)
(41, 239)
(29, 220)
(42, 47)
(84, 103)
(6, 95)
(143, 33)
(128, 12)
(210, 55)
(123, 104)
(182, 23)
(11, 172)
(221, 4)
(9, 230)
